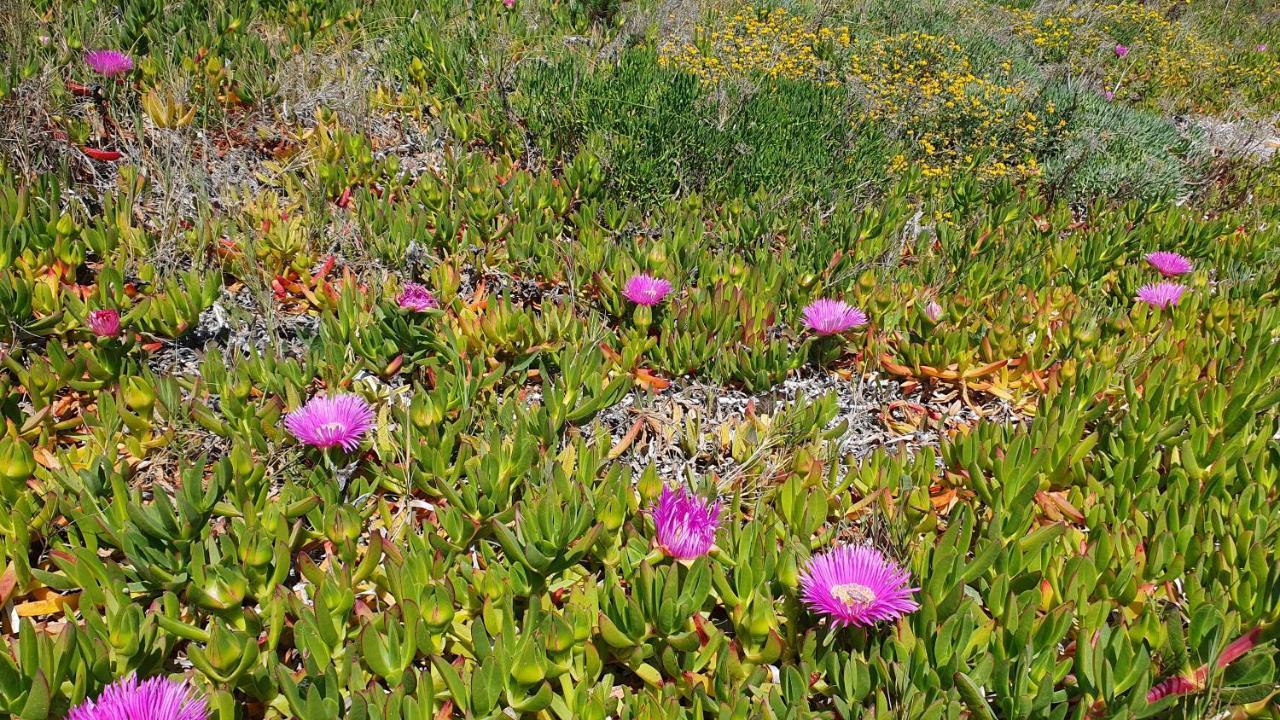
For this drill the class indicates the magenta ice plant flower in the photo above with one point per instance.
(329, 420)
(1121, 50)
(1161, 295)
(108, 62)
(417, 298)
(105, 323)
(156, 699)
(686, 523)
(1169, 264)
(933, 311)
(856, 585)
(646, 289)
(830, 317)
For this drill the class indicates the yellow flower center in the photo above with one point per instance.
(852, 594)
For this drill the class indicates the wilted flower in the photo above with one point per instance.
(1185, 685)
(686, 523)
(108, 62)
(156, 699)
(1169, 264)
(1176, 685)
(856, 585)
(1161, 295)
(933, 310)
(331, 420)
(828, 317)
(417, 298)
(1121, 50)
(104, 323)
(646, 290)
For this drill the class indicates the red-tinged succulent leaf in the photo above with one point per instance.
(102, 155)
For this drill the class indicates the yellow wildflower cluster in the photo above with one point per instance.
(957, 120)
(1164, 59)
(1055, 36)
(774, 44)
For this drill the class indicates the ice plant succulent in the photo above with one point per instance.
(830, 317)
(686, 523)
(646, 289)
(156, 699)
(856, 585)
(1169, 264)
(1161, 295)
(417, 298)
(108, 62)
(330, 420)
(105, 323)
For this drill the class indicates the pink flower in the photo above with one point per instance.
(108, 62)
(646, 290)
(1121, 50)
(1109, 95)
(829, 317)
(509, 3)
(156, 699)
(105, 323)
(326, 421)
(1161, 295)
(933, 310)
(1169, 264)
(417, 298)
(856, 585)
(1262, 47)
(686, 523)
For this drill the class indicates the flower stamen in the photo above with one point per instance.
(853, 594)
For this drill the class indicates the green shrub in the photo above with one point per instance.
(1115, 151)
(665, 133)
